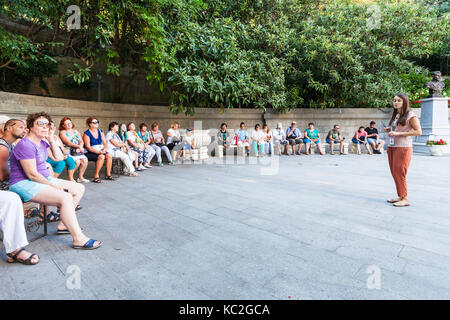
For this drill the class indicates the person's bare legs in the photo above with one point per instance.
(331, 147)
(108, 164)
(341, 147)
(308, 150)
(368, 148)
(320, 149)
(70, 175)
(299, 148)
(77, 192)
(54, 197)
(82, 168)
(99, 165)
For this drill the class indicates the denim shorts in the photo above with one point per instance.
(309, 141)
(370, 140)
(28, 189)
(328, 141)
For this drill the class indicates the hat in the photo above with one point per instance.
(279, 125)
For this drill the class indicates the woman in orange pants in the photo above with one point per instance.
(403, 125)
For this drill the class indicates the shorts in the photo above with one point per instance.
(371, 140)
(92, 156)
(28, 189)
(328, 141)
(294, 141)
(309, 141)
(358, 142)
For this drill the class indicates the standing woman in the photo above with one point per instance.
(95, 142)
(403, 125)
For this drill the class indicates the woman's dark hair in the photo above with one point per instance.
(223, 124)
(257, 126)
(89, 120)
(32, 118)
(129, 124)
(362, 127)
(122, 134)
(404, 112)
(242, 123)
(143, 124)
(154, 124)
(61, 123)
(310, 124)
(112, 125)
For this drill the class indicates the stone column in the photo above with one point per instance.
(434, 121)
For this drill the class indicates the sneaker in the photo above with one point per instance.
(172, 163)
(82, 180)
(160, 164)
(141, 168)
(147, 166)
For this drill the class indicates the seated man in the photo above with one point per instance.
(13, 228)
(373, 138)
(334, 136)
(11, 209)
(279, 138)
(293, 136)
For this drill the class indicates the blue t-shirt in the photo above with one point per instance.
(243, 135)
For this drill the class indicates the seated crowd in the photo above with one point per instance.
(33, 156)
(264, 141)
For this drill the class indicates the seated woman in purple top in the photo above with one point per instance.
(30, 179)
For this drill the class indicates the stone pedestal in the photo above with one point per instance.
(434, 122)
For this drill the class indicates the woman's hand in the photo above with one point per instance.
(393, 133)
(387, 129)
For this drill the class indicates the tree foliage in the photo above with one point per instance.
(279, 54)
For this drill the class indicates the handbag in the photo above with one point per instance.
(159, 144)
(73, 152)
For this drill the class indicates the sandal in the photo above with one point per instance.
(402, 203)
(51, 217)
(14, 258)
(110, 178)
(97, 180)
(89, 245)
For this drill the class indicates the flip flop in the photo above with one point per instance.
(97, 180)
(89, 245)
(51, 217)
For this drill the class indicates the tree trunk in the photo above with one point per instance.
(116, 62)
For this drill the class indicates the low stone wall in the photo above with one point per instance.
(20, 105)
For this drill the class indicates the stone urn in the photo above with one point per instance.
(436, 150)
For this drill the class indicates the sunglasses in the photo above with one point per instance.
(95, 122)
(42, 124)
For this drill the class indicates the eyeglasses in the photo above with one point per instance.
(95, 122)
(42, 124)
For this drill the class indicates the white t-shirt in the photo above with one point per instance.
(131, 136)
(173, 133)
(256, 135)
(278, 135)
(188, 139)
(110, 135)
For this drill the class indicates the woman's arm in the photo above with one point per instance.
(416, 129)
(87, 143)
(29, 167)
(66, 141)
(54, 147)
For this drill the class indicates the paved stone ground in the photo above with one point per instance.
(225, 231)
